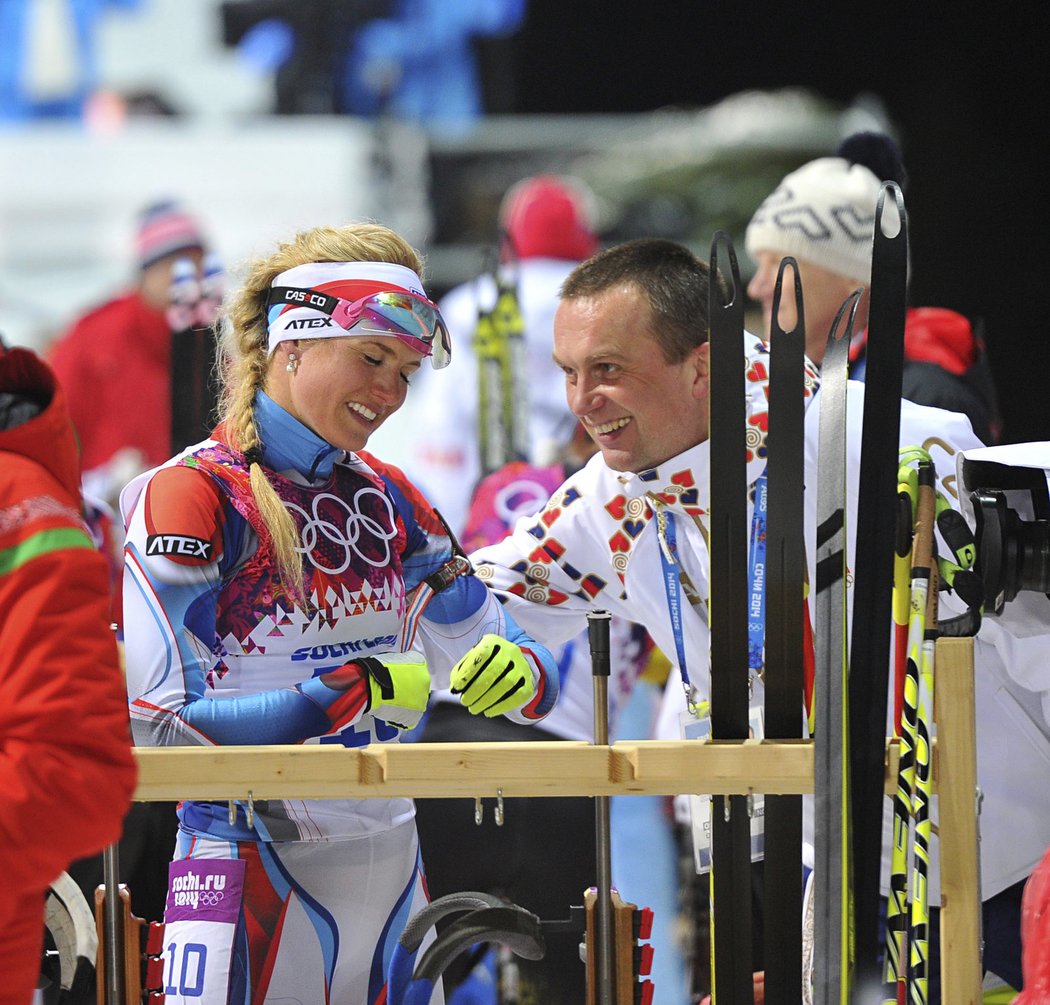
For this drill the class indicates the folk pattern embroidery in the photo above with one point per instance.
(632, 515)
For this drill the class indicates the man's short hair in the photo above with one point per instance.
(675, 283)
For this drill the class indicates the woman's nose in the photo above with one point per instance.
(391, 388)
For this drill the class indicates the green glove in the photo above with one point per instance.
(398, 688)
(493, 678)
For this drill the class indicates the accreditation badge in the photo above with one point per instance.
(694, 728)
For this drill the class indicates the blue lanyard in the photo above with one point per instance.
(672, 587)
(757, 567)
(756, 602)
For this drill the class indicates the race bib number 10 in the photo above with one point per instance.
(200, 919)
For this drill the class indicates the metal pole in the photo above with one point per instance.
(113, 916)
(598, 636)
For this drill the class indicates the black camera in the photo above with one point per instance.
(1008, 491)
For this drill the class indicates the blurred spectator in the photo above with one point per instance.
(304, 43)
(66, 768)
(412, 59)
(47, 56)
(115, 362)
(420, 64)
(547, 225)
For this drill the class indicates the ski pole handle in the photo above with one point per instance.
(598, 636)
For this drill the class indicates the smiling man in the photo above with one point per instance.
(631, 337)
(635, 358)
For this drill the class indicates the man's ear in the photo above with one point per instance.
(701, 362)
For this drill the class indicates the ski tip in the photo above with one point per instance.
(728, 286)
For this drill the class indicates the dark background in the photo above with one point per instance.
(966, 92)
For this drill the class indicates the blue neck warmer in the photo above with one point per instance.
(288, 445)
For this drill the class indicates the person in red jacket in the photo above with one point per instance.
(115, 361)
(66, 768)
(1035, 936)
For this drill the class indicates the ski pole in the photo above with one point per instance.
(895, 971)
(904, 728)
(919, 930)
(598, 636)
(114, 928)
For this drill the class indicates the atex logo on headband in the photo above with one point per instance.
(334, 299)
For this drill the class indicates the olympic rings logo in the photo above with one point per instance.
(211, 897)
(349, 534)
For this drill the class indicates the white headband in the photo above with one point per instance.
(348, 280)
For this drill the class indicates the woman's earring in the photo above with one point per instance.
(293, 363)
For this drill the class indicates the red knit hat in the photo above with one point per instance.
(549, 217)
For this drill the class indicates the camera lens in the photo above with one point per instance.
(1028, 553)
(1012, 554)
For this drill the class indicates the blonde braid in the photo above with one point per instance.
(244, 358)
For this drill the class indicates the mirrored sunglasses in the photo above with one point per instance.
(408, 316)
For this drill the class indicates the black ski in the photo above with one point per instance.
(730, 823)
(832, 881)
(784, 585)
(873, 573)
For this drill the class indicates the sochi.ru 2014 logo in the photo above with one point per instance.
(193, 890)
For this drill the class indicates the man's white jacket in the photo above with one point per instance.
(597, 544)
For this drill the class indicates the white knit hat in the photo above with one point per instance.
(824, 213)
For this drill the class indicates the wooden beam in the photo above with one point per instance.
(544, 768)
(437, 770)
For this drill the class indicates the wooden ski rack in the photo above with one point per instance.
(632, 963)
(642, 767)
